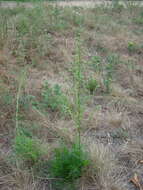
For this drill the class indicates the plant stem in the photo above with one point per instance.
(23, 74)
(78, 84)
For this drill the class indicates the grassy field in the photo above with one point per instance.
(71, 98)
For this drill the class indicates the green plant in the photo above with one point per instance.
(3, 29)
(96, 62)
(25, 101)
(117, 6)
(78, 84)
(54, 98)
(27, 148)
(92, 85)
(132, 47)
(7, 98)
(132, 6)
(21, 84)
(138, 20)
(68, 163)
(23, 25)
(78, 19)
(115, 2)
(109, 69)
(120, 133)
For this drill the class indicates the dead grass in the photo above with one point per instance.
(104, 172)
(43, 40)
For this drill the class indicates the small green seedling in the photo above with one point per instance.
(96, 63)
(92, 85)
(111, 62)
(132, 47)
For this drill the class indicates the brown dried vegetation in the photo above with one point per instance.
(43, 40)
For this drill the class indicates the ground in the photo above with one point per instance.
(44, 45)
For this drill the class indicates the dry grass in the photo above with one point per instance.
(43, 39)
(104, 172)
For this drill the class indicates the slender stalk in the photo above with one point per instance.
(78, 95)
(23, 74)
(78, 89)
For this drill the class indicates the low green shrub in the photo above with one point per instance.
(92, 85)
(54, 98)
(68, 163)
(27, 148)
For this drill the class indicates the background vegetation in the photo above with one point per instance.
(71, 97)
